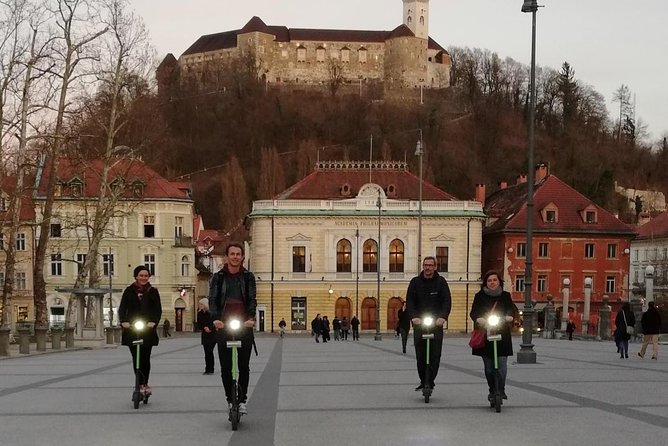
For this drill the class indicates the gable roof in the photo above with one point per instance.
(325, 182)
(508, 206)
(228, 39)
(655, 228)
(130, 170)
(8, 189)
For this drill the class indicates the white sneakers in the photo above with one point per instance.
(243, 410)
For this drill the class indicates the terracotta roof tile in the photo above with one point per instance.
(655, 228)
(8, 186)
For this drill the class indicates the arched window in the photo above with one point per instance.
(396, 256)
(370, 256)
(185, 266)
(343, 256)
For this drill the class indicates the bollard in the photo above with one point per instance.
(604, 319)
(118, 332)
(4, 340)
(550, 319)
(24, 341)
(109, 331)
(56, 337)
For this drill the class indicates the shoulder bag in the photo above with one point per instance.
(629, 328)
(479, 335)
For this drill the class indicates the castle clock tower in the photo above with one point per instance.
(416, 17)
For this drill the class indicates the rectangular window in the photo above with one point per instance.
(589, 250)
(610, 284)
(567, 250)
(56, 264)
(541, 284)
(590, 217)
(2, 241)
(149, 226)
(178, 228)
(442, 254)
(521, 249)
(519, 283)
(22, 314)
(612, 250)
(149, 262)
(543, 250)
(550, 216)
(55, 230)
(185, 266)
(299, 259)
(298, 313)
(20, 279)
(81, 260)
(20, 241)
(108, 265)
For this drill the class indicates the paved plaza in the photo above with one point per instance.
(338, 393)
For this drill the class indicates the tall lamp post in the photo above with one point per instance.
(419, 151)
(378, 337)
(527, 355)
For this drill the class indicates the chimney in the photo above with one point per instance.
(480, 193)
(521, 179)
(503, 185)
(541, 172)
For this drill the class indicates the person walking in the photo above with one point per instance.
(316, 327)
(570, 328)
(493, 299)
(205, 325)
(404, 325)
(336, 327)
(428, 295)
(624, 320)
(165, 329)
(345, 328)
(233, 295)
(355, 324)
(325, 329)
(281, 327)
(141, 301)
(651, 328)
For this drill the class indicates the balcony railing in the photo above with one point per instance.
(183, 241)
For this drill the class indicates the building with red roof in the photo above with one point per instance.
(573, 238)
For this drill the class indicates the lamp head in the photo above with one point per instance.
(428, 321)
(530, 6)
(235, 324)
(139, 325)
(493, 320)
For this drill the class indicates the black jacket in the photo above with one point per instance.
(428, 297)
(620, 332)
(204, 319)
(481, 307)
(148, 309)
(651, 322)
(404, 319)
(217, 293)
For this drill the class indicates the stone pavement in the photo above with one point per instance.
(338, 393)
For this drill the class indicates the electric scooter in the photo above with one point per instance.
(233, 327)
(137, 396)
(427, 336)
(494, 336)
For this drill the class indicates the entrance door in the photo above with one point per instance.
(342, 308)
(179, 319)
(260, 319)
(368, 313)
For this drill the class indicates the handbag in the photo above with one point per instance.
(630, 329)
(478, 336)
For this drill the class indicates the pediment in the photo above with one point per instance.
(442, 238)
(298, 238)
(146, 246)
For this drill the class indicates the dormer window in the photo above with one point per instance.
(550, 213)
(138, 188)
(391, 190)
(345, 190)
(589, 214)
(117, 186)
(76, 187)
(550, 216)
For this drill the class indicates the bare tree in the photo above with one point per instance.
(336, 75)
(272, 180)
(234, 203)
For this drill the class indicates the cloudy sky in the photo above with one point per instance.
(607, 42)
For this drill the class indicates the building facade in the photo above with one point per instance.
(650, 248)
(405, 57)
(326, 246)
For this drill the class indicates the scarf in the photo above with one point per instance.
(494, 293)
(141, 290)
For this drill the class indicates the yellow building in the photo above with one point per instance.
(315, 248)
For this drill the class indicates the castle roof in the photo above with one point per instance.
(329, 177)
(228, 39)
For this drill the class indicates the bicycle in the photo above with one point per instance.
(427, 335)
(234, 414)
(494, 336)
(137, 395)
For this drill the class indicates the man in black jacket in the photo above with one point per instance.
(651, 327)
(232, 295)
(428, 295)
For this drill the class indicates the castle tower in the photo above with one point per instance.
(416, 17)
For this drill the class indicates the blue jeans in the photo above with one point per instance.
(488, 361)
(624, 347)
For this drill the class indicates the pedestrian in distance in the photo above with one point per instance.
(345, 328)
(141, 301)
(570, 328)
(404, 325)
(492, 298)
(651, 328)
(316, 327)
(623, 321)
(165, 329)
(281, 327)
(325, 329)
(233, 295)
(208, 336)
(355, 325)
(336, 328)
(428, 295)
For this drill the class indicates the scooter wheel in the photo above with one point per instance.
(135, 399)
(235, 416)
(497, 403)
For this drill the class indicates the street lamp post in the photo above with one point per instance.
(378, 337)
(527, 355)
(649, 285)
(587, 303)
(419, 152)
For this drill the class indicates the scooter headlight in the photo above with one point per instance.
(428, 321)
(235, 324)
(493, 320)
(139, 325)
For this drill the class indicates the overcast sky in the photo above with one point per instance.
(607, 42)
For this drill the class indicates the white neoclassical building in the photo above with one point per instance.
(326, 246)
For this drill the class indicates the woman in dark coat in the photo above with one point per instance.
(205, 325)
(490, 295)
(624, 318)
(141, 301)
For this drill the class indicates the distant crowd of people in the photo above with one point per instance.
(320, 327)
